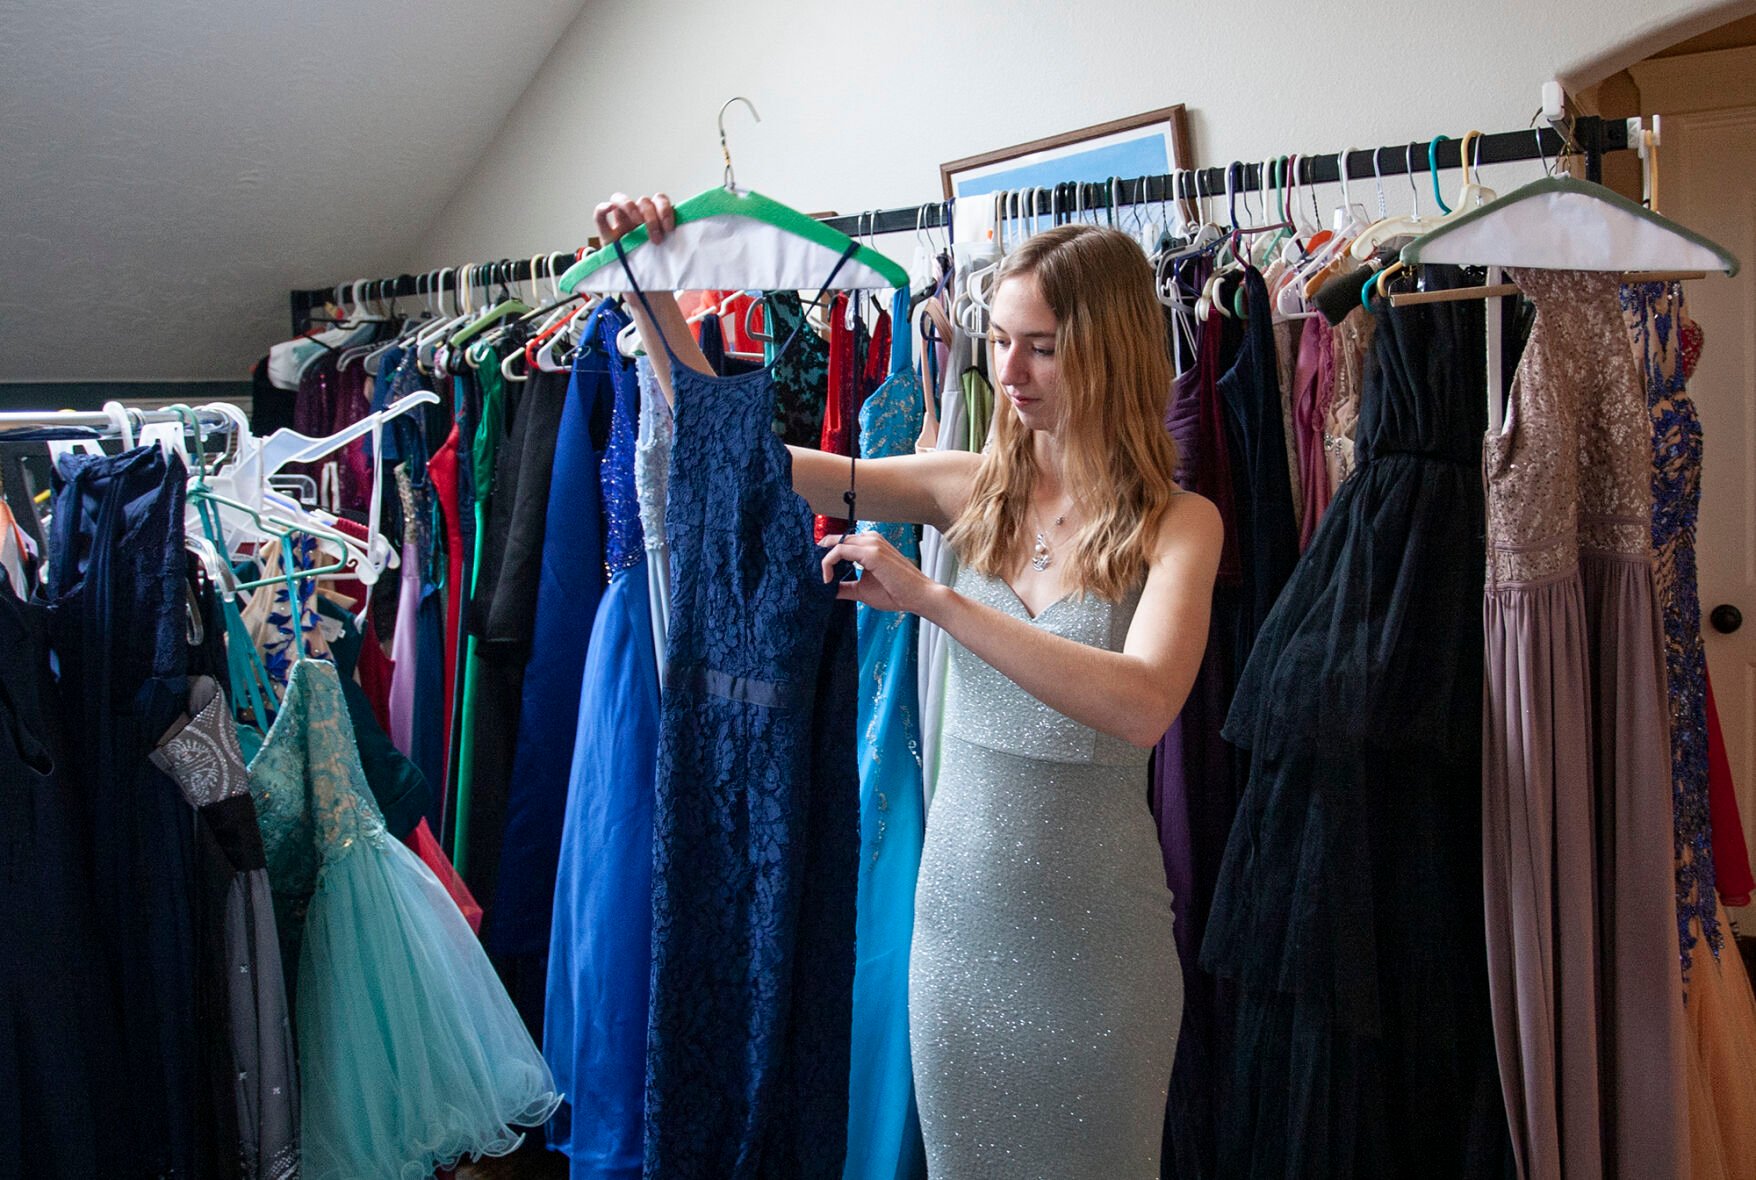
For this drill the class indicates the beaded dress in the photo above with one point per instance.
(1044, 991)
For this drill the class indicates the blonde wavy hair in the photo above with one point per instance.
(1119, 459)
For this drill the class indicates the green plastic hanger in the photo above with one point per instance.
(720, 202)
(507, 306)
(1692, 251)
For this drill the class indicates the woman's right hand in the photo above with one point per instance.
(622, 214)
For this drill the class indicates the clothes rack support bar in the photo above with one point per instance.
(1592, 138)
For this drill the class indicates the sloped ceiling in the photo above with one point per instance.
(170, 168)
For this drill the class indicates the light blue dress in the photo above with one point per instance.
(411, 1055)
(884, 1133)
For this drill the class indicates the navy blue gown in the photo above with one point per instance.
(756, 818)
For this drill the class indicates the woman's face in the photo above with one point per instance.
(1022, 329)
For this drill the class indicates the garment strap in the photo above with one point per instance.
(634, 286)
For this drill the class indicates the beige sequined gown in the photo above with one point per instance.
(1044, 990)
(1582, 937)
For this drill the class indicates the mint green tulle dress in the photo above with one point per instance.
(411, 1056)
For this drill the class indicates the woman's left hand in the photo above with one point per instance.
(888, 580)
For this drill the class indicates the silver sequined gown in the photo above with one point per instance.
(1044, 991)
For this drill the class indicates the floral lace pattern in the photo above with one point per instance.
(1544, 512)
(754, 860)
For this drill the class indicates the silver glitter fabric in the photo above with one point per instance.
(1044, 991)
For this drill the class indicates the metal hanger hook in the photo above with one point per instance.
(724, 150)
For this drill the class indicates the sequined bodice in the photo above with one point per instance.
(203, 756)
(1576, 398)
(652, 456)
(311, 795)
(985, 708)
(890, 421)
(624, 544)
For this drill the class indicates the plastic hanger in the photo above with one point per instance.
(729, 237)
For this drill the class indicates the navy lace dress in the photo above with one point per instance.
(756, 818)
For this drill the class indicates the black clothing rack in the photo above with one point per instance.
(1587, 135)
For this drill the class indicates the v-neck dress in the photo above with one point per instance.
(1044, 990)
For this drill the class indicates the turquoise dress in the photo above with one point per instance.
(884, 1133)
(411, 1056)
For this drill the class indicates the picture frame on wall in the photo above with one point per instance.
(1148, 144)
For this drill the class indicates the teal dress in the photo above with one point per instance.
(884, 1133)
(411, 1056)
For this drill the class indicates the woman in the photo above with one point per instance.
(1044, 989)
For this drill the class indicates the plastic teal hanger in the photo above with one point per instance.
(1433, 167)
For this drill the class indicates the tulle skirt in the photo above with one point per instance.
(411, 1054)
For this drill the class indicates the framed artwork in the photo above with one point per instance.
(1148, 144)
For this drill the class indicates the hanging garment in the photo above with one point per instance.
(852, 378)
(570, 584)
(798, 367)
(1731, 858)
(59, 1041)
(652, 478)
(1268, 532)
(410, 1053)
(1313, 390)
(1655, 315)
(1044, 993)
(1721, 1011)
(1287, 335)
(241, 994)
(939, 561)
(755, 852)
(884, 1133)
(1582, 921)
(1350, 341)
(116, 594)
(600, 945)
(1346, 913)
(1195, 784)
(442, 468)
(502, 616)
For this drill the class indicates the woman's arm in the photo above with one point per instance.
(928, 488)
(1133, 694)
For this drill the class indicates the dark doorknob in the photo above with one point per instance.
(1726, 618)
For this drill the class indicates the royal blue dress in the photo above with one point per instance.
(755, 820)
(594, 1026)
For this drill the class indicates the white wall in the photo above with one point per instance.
(861, 102)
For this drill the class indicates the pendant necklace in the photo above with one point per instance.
(1040, 557)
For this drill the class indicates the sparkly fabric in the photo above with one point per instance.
(652, 480)
(1352, 339)
(1044, 993)
(241, 986)
(1656, 320)
(410, 1053)
(884, 1134)
(624, 539)
(1577, 815)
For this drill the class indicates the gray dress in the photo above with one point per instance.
(1044, 991)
